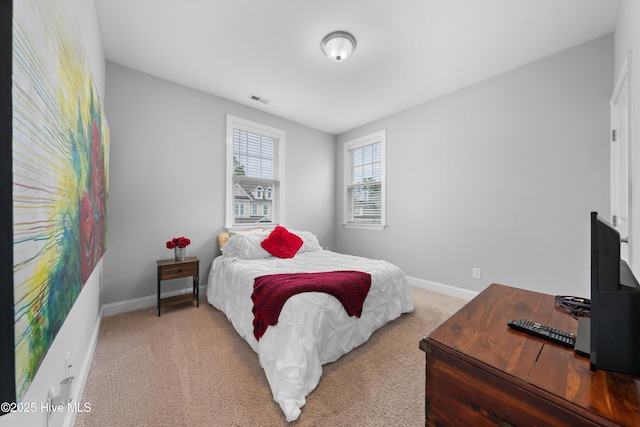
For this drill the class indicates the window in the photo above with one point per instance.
(364, 192)
(254, 162)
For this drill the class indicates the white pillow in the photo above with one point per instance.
(245, 246)
(310, 241)
(224, 236)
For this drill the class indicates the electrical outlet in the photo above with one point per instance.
(476, 272)
(67, 365)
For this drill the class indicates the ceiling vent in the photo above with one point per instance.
(258, 98)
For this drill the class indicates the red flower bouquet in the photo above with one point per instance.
(180, 242)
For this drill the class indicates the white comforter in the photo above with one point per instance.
(313, 327)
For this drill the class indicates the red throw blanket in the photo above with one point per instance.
(272, 291)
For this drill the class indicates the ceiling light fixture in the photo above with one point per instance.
(338, 45)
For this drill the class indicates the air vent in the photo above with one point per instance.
(258, 98)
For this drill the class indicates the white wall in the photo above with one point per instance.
(627, 38)
(77, 335)
(167, 178)
(501, 175)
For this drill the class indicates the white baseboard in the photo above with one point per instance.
(443, 289)
(83, 373)
(143, 302)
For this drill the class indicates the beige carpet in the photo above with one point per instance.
(190, 368)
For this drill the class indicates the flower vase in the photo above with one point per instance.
(179, 253)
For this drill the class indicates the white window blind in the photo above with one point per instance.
(254, 165)
(365, 185)
(254, 156)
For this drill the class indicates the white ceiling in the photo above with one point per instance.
(408, 52)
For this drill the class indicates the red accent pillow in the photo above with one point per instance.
(282, 243)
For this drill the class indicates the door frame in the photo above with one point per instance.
(624, 77)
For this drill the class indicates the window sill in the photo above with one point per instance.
(377, 227)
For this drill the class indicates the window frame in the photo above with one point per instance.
(234, 122)
(373, 138)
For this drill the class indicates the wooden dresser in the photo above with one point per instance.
(480, 372)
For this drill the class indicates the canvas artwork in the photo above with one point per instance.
(60, 177)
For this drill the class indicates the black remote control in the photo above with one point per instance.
(554, 335)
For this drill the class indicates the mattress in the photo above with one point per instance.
(313, 327)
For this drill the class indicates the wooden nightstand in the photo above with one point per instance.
(170, 269)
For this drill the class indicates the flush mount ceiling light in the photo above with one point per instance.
(338, 45)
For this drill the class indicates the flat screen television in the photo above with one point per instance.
(614, 326)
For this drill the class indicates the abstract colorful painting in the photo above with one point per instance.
(60, 177)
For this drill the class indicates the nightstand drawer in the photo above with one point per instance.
(178, 270)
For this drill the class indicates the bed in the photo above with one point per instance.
(313, 328)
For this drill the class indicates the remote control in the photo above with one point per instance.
(554, 335)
